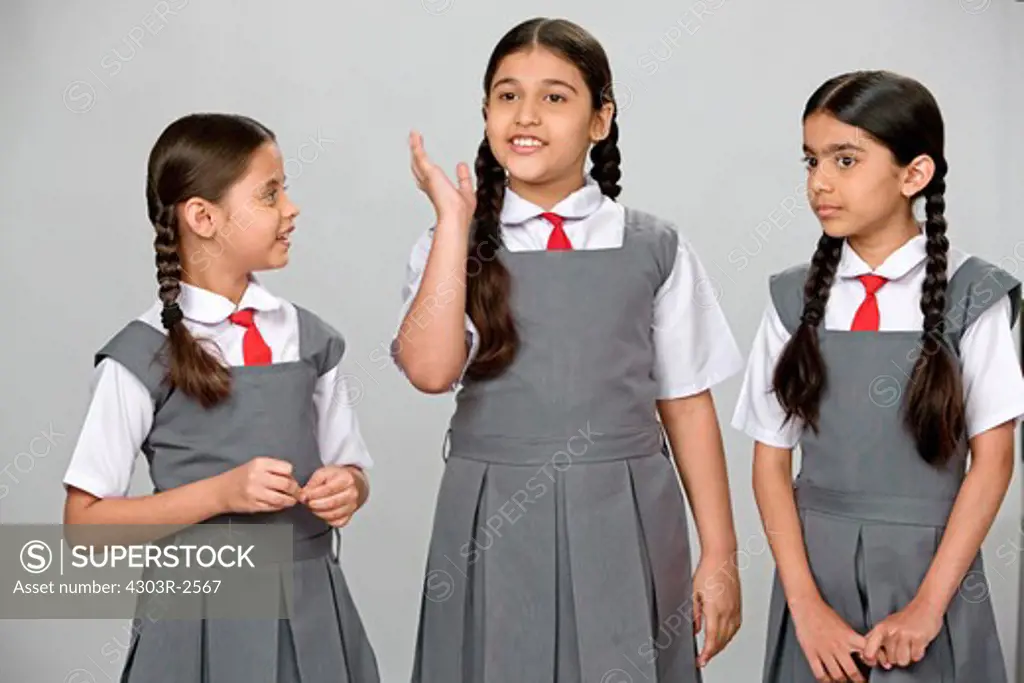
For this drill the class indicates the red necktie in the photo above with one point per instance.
(254, 349)
(866, 319)
(558, 240)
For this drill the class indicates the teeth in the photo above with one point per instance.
(526, 142)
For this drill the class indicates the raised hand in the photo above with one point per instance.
(451, 201)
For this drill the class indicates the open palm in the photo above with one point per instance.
(449, 199)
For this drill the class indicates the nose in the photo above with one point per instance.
(290, 210)
(818, 181)
(528, 113)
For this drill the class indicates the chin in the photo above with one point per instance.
(836, 229)
(530, 171)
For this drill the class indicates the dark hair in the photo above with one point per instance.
(487, 296)
(902, 115)
(199, 155)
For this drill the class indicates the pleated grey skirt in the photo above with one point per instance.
(323, 641)
(867, 569)
(578, 575)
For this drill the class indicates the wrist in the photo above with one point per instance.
(362, 484)
(217, 495)
(931, 600)
(457, 221)
(803, 598)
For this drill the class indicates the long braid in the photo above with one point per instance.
(489, 282)
(800, 376)
(190, 368)
(606, 161)
(935, 409)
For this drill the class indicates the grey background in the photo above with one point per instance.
(710, 93)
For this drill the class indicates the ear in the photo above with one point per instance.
(199, 216)
(483, 107)
(601, 122)
(916, 175)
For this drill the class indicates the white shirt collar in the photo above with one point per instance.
(204, 306)
(515, 210)
(897, 265)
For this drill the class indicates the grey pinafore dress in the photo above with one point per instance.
(872, 510)
(559, 550)
(270, 413)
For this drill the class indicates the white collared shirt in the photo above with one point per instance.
(992, 381)
(694, 346)
(120, 413)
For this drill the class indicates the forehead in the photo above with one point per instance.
(265, 164)
(822, 130)
(538, 64)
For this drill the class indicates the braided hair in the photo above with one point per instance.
(488, 288)
(902, 115)
(200, 155)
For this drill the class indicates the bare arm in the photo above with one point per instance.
(260, 485)
(692, 426)
(773, 491)
(431, 346)
(977, 503)
(189, 504)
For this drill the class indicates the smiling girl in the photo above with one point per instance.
(568, 323)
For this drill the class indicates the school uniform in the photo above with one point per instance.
(872, 510)
(287, 402)
(560, 547)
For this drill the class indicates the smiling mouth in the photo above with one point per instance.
(526, 144)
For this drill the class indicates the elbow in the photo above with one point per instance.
(76, 506)
(433, 382)
(429, 377)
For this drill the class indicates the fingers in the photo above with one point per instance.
(272, 500)
(712, 637)
(849, 667)
(818, 669)
(883, 660)
(346, 497)
(337, 480)
(698, 612)
(282, 483)
(465, 181)
(872, 647)
(337, 517)
(274, 465)
(833, 669)
(420, 162)
(903, 651)
(917, 650)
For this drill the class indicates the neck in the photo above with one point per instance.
(875, 246)
(217, 280)
(547, 194)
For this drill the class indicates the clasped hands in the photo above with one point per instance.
(333, 493)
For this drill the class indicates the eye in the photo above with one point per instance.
(846, 161)
(271, 196)
(810, 162)
(557, 97)
(506, 96)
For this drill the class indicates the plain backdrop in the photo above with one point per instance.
(710, 94)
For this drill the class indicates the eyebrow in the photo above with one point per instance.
(546, 81)
(837, 147)
(271, 183)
